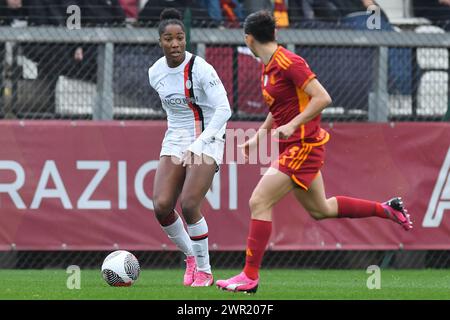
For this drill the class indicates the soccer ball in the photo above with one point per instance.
(120, 269)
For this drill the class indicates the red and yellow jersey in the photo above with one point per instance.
(283, 82)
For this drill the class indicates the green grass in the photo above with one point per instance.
(276, 284)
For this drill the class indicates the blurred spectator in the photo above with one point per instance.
(149, 15)
(131, 9)
(353, 13)
(10, 11)
(54, 12)
(72, 60)
(354, 16)
(101, 12)
(251, 6)
(312, 10)
(346, 7)
(214, 10)
(328, 11)
(10, 4)
(437, 11)
(280, 14)
(233, 12)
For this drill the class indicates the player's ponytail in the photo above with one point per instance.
(170, 16)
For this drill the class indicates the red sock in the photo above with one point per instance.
(357, 208)
(256, 246)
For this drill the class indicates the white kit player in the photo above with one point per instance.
(197, 111)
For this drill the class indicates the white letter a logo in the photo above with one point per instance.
(440, 199)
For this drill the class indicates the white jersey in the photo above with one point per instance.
(192, 121)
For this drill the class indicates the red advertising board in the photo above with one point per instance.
(88, 186)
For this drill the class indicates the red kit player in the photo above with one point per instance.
(295, 99)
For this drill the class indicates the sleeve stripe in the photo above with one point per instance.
(282, 64)
(312, 76)
(284, 58)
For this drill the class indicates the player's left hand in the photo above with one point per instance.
(284, 131)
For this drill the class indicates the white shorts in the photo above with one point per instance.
(214, 149)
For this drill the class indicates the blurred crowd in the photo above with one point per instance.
(204, 13)
(78, 61)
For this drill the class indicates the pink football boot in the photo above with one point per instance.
(239, 283)
(203, 279)
(396, 212)
(191, 267)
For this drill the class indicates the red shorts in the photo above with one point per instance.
(300, 161)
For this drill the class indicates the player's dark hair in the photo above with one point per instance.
(261, 25)
(170, 16)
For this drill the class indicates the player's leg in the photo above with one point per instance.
(314, 200)
(272, 187)
(167, 187)
(199, 177)
(319, 207)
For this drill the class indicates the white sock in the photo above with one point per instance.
(199, 236)
(177, 233)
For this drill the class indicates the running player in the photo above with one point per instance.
(295, 99)
(197, 110)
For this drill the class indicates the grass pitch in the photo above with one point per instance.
(276, 284)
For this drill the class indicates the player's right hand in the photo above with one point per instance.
(247, 146)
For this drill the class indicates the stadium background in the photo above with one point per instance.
(377, 79)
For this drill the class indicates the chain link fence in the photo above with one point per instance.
(101, 74)
(338, 259)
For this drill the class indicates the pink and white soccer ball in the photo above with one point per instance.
(120, 269)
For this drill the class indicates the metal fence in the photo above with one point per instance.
(336, 259)
(371, 75)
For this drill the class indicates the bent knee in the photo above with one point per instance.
(255, 201)
(259, 204)
(163, 206)
(320, 214)
(189, 205)
(317, 215)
